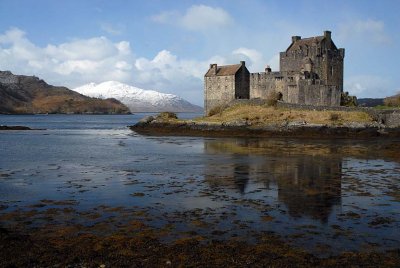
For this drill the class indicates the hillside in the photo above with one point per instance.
(21, 94)
(137, 99)
(393, 101)
(369, 102)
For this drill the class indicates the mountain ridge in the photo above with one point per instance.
(137, 99)
(21, 94)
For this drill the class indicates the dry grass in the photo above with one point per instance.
(263, 115)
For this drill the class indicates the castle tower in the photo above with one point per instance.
(327, 60)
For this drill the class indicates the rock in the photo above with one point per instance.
(146, 120)
(14, 128)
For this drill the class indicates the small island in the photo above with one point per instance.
(305, 98)
(15, 128)
(262, 120)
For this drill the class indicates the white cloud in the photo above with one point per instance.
(70, 64)
(365, 30)
(196, 18)
(111, 28)
(166, 17)
(253, 57)
(98, 59)
(201, 17)
(368, 86)
(274, 63)
(88, 49)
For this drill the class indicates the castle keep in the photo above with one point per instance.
(311, 72)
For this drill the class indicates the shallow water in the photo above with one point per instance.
(326, 196)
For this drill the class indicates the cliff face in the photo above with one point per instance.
(21, 94)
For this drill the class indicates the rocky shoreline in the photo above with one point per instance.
(158, 126)
(15, 128)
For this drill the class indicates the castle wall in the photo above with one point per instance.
(261, 85)
(318, 94)
(242, 84)
(218, 90)
(293, 89)
(334, 68)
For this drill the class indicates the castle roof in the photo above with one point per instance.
(224, 70)
(307, 42)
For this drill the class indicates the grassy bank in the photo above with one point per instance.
(266, 115)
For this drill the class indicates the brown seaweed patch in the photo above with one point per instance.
(60, 202)
(381, 221)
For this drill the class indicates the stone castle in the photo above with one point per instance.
(311, 72)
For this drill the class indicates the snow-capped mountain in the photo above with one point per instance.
(137, 99)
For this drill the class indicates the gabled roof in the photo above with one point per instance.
(308, 42)
(224, 70)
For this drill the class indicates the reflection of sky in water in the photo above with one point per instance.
(310, 192)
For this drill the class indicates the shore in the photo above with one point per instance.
(15, 128)
(246, 120)
(292, 129)
(137, 245)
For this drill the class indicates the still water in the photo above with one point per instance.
(326, 196)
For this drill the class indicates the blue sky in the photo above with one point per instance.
(168, 45)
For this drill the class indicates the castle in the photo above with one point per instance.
(311, 72)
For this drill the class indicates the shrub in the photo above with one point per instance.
(273, 97)
(217, 110)
(392, 101)
(334, 117)
(347, 100)
(167, 115)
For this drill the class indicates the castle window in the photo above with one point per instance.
(332, 70)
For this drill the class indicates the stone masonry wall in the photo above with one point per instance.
(218, 90)
(242, 78)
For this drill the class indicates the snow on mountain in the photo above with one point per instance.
(137, 99)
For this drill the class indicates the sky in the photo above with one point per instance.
(167, 45)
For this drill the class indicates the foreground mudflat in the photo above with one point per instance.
(136, 246)
(85, 196)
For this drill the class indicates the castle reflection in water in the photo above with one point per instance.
(306, 179)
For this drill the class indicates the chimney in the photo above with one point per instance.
(243, 63)
(214, 68)
(268, 69)
(295, 38)
(327, 35)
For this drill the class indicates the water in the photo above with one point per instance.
(326, 196)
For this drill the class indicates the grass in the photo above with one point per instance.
(265, 115)
(385, 107)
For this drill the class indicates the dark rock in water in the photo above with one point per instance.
(20, 94)
(146, 119)
(14, 128)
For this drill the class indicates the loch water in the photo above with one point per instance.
(324, 195)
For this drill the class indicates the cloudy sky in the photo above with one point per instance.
(168, 45)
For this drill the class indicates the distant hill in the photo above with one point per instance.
(393, 101)
(369, 102)
(21, 94)
(137, 99)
